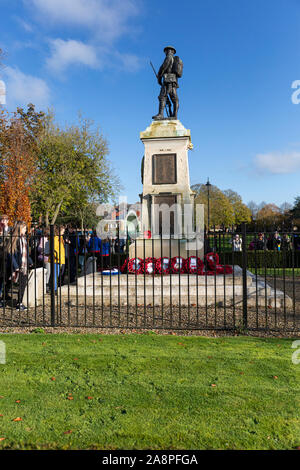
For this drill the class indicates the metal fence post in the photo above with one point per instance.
(52, 275)
(244, 268)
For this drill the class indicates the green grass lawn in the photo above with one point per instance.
(287, 272)
(144, 391)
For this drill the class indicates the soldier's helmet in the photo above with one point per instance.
(169, 47)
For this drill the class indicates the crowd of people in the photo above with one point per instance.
(22, 249)
(272, 242)
(14, 260)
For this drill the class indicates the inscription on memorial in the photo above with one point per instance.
(164, 169)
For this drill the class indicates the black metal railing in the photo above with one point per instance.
(74, 279)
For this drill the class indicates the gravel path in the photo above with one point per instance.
(154, 318)
(291, 287)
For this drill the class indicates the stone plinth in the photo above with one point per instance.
(36, 288)
(168, 248)
(165, 172)
(184, 289)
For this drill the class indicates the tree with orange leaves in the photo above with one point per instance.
(18, 149)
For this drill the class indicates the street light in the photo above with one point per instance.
(208, 185)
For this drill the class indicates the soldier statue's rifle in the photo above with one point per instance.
(168, 103)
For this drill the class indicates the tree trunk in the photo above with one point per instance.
(47, 219)
(55, 215)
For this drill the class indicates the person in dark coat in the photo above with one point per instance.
(95, 247)
(73, 244)
(119, 245)
(19, 259)
(105, 252)
(274, 242)
(3, 260)
(84, 239)
(259, 243)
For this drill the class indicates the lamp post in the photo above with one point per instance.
(208, 185)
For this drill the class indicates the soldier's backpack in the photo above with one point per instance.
(177, 66)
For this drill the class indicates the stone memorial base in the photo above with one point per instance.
(35, 288)
(185, 289)
(167, 197)
(157, 248)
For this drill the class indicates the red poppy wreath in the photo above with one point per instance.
(150, 266)
(177, 265)
(194, 265)
(163, 265)
(212, 260)
(135, 265)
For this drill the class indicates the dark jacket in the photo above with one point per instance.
(83, 246)
(94, 244)
(119, 245)
(5, 259)
(105, 248)
(17, 258)
(273, 243)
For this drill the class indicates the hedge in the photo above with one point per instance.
(263, 259)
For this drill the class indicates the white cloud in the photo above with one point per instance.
(278, 162)
(129, 62)
(102, 22)
(22, 89)
(107, 18)
(71, 52)
(65, 53)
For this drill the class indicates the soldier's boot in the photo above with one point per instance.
(176, 107)
(160, 115)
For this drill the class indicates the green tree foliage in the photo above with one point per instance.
(73, 171)
(220, 210)
(85, 217)
(241, 212)
(226, 207)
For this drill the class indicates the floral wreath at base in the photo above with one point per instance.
(194, 265)
(212, 260)
(135, 265)
(220, 269)
(178, 265)
(214, 267)
(150, 266)
(163, 265)
(123, 268)
(224, 269)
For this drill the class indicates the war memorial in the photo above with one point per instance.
(167, 264)
(149, 248)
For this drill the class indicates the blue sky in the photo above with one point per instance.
(240, 60)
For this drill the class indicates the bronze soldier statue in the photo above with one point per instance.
(167, 77)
